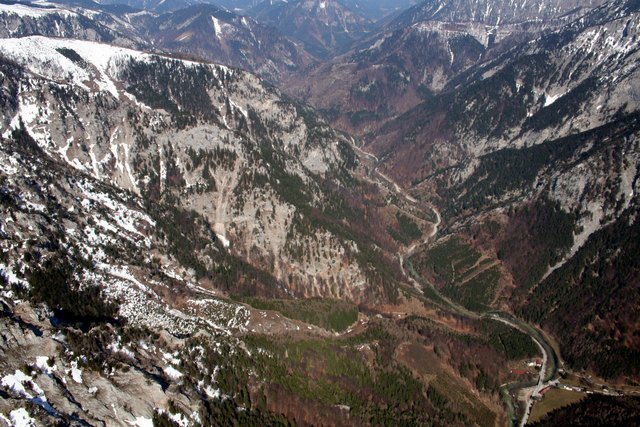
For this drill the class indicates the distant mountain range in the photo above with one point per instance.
(325, 27)
(415, 55)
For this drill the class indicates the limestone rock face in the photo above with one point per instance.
(214, 139)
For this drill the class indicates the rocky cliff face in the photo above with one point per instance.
(205, 138)
(136, 193)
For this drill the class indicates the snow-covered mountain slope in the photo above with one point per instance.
(92, 254)
(207, 138)
(206, 32)
(24, 19)
(53, 59)
(99, 322)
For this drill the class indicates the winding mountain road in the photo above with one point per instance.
(541, 384)
(544, 347)
(401, 192)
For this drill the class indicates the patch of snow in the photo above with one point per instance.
(60, 337)
(172, 372)
(213, 393)
(21, 418)
(180, 419)
(124, 217)
(171, 358)
(16, 382)
(133, 99)
(225, 242)
(40, 55)
(141, 13)
(141, 422)
(128, 352)
(11, 276)
(117, 348)
(163, 174)
(195, 416)
(10, 168)
(440, 7)
(242, 110)
(94, 162)
(42, 362)
(216, 27)
(104, 224)
(377, 44)
(550, 99)
(173, 274)
(127, 165)
(34, 117)
(121, 273)
(368, 86)
(113, 146)
(76, 373)
(187, 22)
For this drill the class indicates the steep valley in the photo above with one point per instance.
(428, 220)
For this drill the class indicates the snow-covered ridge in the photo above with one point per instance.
(42, 56)
(33, 12)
